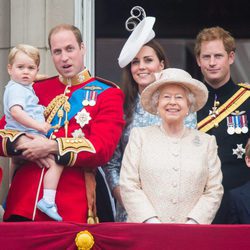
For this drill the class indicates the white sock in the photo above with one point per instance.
(49, 195)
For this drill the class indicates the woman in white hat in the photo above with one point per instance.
(140, 57)
(137, 75)
(171, 173)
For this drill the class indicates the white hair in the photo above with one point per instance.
(190, 97)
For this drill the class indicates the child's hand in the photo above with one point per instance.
(45, 127)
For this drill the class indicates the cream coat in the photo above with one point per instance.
(173, 179)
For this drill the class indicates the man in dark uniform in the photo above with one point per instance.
(226, 114)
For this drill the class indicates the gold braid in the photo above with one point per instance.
(66, 122)
(54, 106)
(57, 106)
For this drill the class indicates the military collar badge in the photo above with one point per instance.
(81, 77)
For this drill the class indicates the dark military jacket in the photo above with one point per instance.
(231, 132)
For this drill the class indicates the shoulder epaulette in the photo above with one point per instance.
(107, 82)
(245, 85)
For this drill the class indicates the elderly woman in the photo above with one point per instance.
(139, 65)
(171, 173)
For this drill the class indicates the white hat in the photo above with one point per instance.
(142, 34)
(174, 76)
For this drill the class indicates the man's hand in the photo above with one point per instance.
(37, 147)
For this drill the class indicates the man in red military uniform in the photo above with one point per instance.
(87, 120)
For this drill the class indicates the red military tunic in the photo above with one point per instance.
(102, 131)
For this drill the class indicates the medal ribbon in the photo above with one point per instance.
(76, 100)
(224, 110)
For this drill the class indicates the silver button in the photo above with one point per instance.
(172, 218)
(174, 201)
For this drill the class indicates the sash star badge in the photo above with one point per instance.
(239, 151)
(82, 117)
(78, 133)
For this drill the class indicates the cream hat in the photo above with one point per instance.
(141, 34)
(174, 76)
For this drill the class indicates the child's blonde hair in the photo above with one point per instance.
(29, 50)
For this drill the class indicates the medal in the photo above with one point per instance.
(92, 103)
(230, 125)
(214, 112)
(244, 128)
(90, 98)
(239, 151)
(93, 96)
(85, 102)
(237, 124)
(238, 130)
(230, 130)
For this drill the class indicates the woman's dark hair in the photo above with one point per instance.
(130, 87)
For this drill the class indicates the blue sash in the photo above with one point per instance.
(76, 101)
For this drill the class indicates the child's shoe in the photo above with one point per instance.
(49, 209)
